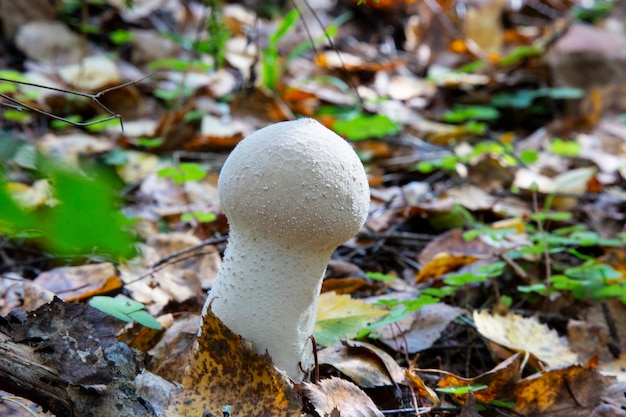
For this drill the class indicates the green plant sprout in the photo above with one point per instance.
(362, 126)
(126, 310)
(272, 69)
(461, 390)
(186, 172)
(507, 154)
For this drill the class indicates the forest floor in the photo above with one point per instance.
(489, 277)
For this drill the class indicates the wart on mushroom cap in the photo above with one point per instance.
(293, 192)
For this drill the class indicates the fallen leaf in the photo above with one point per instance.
(442, 264)
(526, 335)
(341, 395)
(226, 372)
(342, 317)
(91, 74)
(499, 381)
(365, 364)
(421, 390)
(561, 389)
(421, 329)
(80, 282)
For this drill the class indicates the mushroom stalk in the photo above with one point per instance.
(293, 192)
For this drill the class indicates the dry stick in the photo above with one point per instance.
(171, 258)
(18, 105)
(212, 241)
(349, 79)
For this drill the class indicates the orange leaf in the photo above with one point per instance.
(442, 264)
(539, 392)
(499, 381)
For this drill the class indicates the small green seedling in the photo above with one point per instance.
(185, 172)
(126, 310)
(461, 390)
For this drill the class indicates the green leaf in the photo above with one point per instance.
(17, 116)
(125, 309)
(199, 216)
(86, 220)
(459, 280)
(149, 142)
(180, 64)
(594, 271)
(342, 317)
(538, 288)
(520, 53)
(60, 124)
(145, 319)
(558, 216)
(562, 93)
(565, 148)
(380, 276)
(460, 390)
(185, 172)
(285, 26)
(121, 36)
(462, 113)
(528, 156)
(365, 126)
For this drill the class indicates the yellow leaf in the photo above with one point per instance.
(341, 317)
(526, 335)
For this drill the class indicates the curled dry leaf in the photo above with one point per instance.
(365, 364)
(499, 381)
(421, 329)
(573, 388)
(80, 282)
(340, 395)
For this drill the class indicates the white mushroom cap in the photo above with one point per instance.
(292, 192)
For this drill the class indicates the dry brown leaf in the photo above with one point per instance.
(616, 368)
(227, 372)
(483, 25)
(526, 335)
(341, 395)
(351, 62)
(420, 388)
(181, 281)
(561, 389)
(173, 353)
(363, 363)
(421, 329)
(443, 263)
(80, 282)
(345, 285)
(499, 381)
(453, 243)
(49, 42)
(68, 148)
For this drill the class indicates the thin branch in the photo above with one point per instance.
(18, 105)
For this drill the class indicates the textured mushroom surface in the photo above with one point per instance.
(293, 192)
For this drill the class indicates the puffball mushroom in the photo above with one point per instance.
(292, 192)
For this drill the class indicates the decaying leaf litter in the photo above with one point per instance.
(488, 279)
